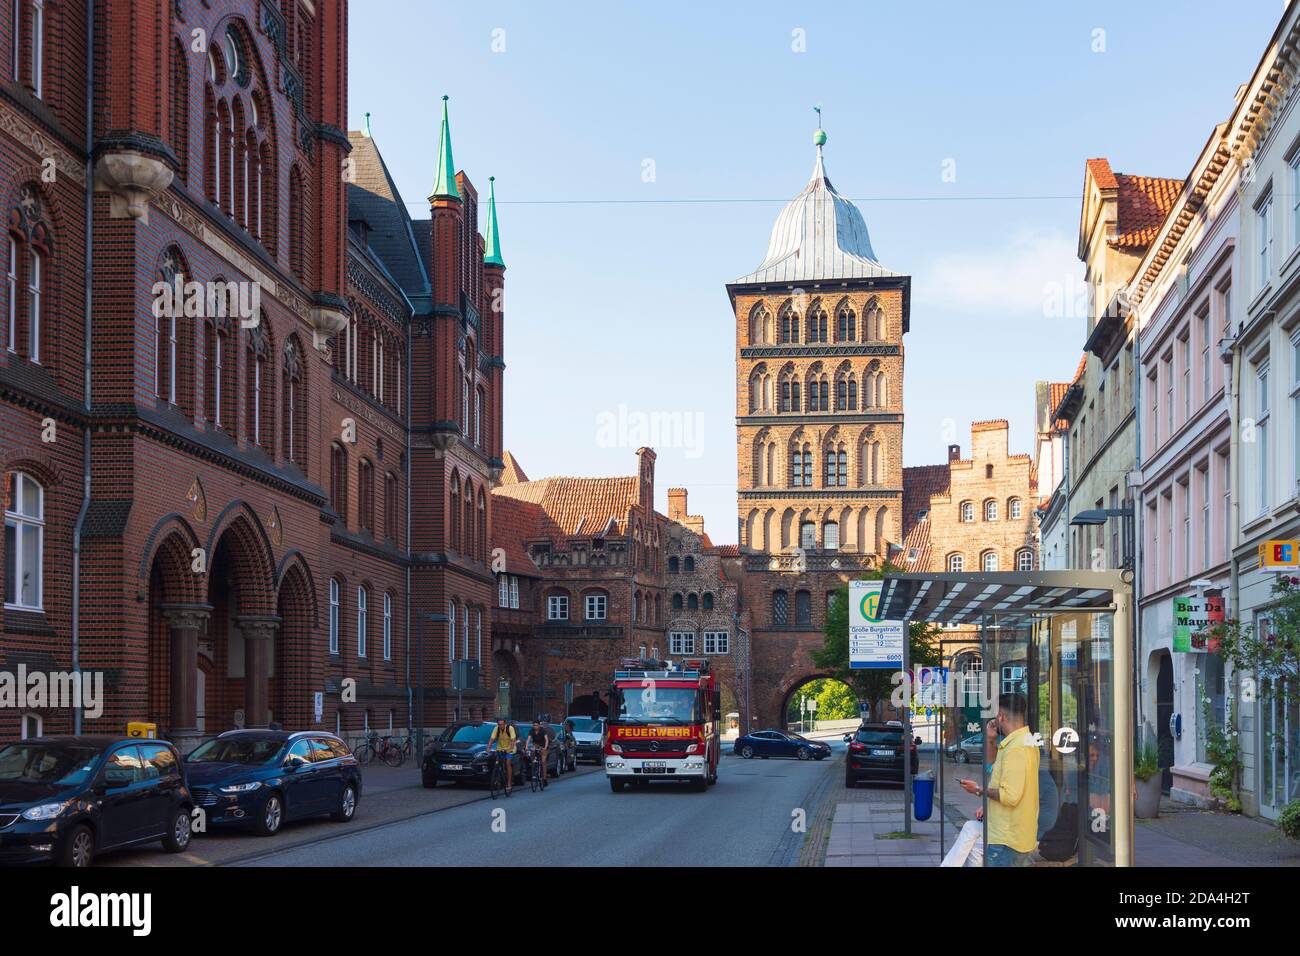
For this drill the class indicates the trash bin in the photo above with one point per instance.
(923, 795)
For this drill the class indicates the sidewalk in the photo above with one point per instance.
(1187, 836)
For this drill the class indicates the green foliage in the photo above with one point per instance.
(1289, 820)
(835, 700)
(1221, 751)
(869, 685)
(1147, 763)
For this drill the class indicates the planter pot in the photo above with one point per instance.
(1147, 804)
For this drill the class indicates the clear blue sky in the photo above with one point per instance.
(613, 301)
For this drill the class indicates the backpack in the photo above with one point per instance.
(1062, 841)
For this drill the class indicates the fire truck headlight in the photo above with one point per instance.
(693, 748)
(614, 764)
(616, 748)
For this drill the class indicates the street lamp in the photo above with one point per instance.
(1099, 516)
(423, 618)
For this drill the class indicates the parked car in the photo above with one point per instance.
(460, 754)
(568, 747)
(553, 753)
(66, 800)
(780, 743)
(589, 734)
(967, 749)
(265, 778)
(876, 753)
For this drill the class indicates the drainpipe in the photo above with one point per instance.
(1234, 496)
(1138, 529)
(410, 707)
(87, 318)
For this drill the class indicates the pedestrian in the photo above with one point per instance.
(1013, 786)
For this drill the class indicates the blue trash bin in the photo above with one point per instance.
(923, 795)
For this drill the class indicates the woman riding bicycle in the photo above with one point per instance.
(539, 743)
(501, 744)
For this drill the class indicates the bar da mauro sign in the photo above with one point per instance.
(1192, 619)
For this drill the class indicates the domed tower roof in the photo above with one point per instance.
(819, 235)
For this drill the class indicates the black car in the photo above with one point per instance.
(67, 799)
(780, 743)
(264, 778)
(876, 753)
(460, 753)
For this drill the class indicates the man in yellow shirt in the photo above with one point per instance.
(501, 744)
(1013, 786)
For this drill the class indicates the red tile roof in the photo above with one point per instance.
(514, 522)
(993, 424)
(919, 485)
(512, 474)
(1100, 169)
(1144, 202)
(577, 505)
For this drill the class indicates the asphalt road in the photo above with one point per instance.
(747, 819)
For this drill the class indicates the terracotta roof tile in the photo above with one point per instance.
(727, 550)
(577, 505)
(513, 473)
(1100, 169)
(514, 522)
(1144, 202)
(993, 424)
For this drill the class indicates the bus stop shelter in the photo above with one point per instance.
(1063, 639)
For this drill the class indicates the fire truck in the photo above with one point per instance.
(663, 724)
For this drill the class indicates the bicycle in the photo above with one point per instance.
(535, 770)
(497, 776)
(385, 750)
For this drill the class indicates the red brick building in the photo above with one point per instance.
(601, 576)
(233, 507)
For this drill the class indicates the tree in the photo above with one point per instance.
(874, 685)
(835, 700)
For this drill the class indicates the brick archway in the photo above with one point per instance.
(299, 656)
(175, 619)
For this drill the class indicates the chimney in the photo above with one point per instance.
(954, 453)
(677, 504)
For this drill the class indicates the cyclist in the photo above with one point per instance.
(539, 742)
(501, 744)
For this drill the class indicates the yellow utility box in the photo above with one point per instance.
(140, 729)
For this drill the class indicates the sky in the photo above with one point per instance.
(642, 153)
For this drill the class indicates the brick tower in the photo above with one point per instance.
(819, 385)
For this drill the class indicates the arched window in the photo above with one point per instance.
(846, 324)
(808, 535)
(467, 545)
(339, 481)
(24, 542)
(956, 563)
(991, 510)
(257, 393)
(688, 564)
(169, 323)
(365, 495)
(482, 526)
(780, 607)
(29, 45)
(595, 605)
(388, 626)
(295, 405)
(803, 607)
(831, 536)
(692, 602)
(708, 600)
(451, 630)
(677, 602)
(362, 595)
(789, 326)
(966, 512)
(335, 588)
(817, 324)
(989, 561)
(1014, 509)
(454, 510)
(29, 245)
(672, 565)
(218, 370)
(1025, 560)
(179, 114)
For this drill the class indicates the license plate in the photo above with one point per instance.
(654, 765)
(453, 766)
(882, 753)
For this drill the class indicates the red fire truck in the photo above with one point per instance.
(663, 724)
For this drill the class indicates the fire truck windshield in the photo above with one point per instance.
(649, 705)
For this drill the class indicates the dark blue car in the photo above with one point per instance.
(65, 800)
(780, 743)
(264, 778)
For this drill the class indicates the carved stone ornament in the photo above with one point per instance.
(132, 179)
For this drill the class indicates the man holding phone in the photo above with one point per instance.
(1013, 785)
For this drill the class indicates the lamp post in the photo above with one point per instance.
(424, 617)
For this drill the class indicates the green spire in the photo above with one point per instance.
(492, 254)
(445, 185)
